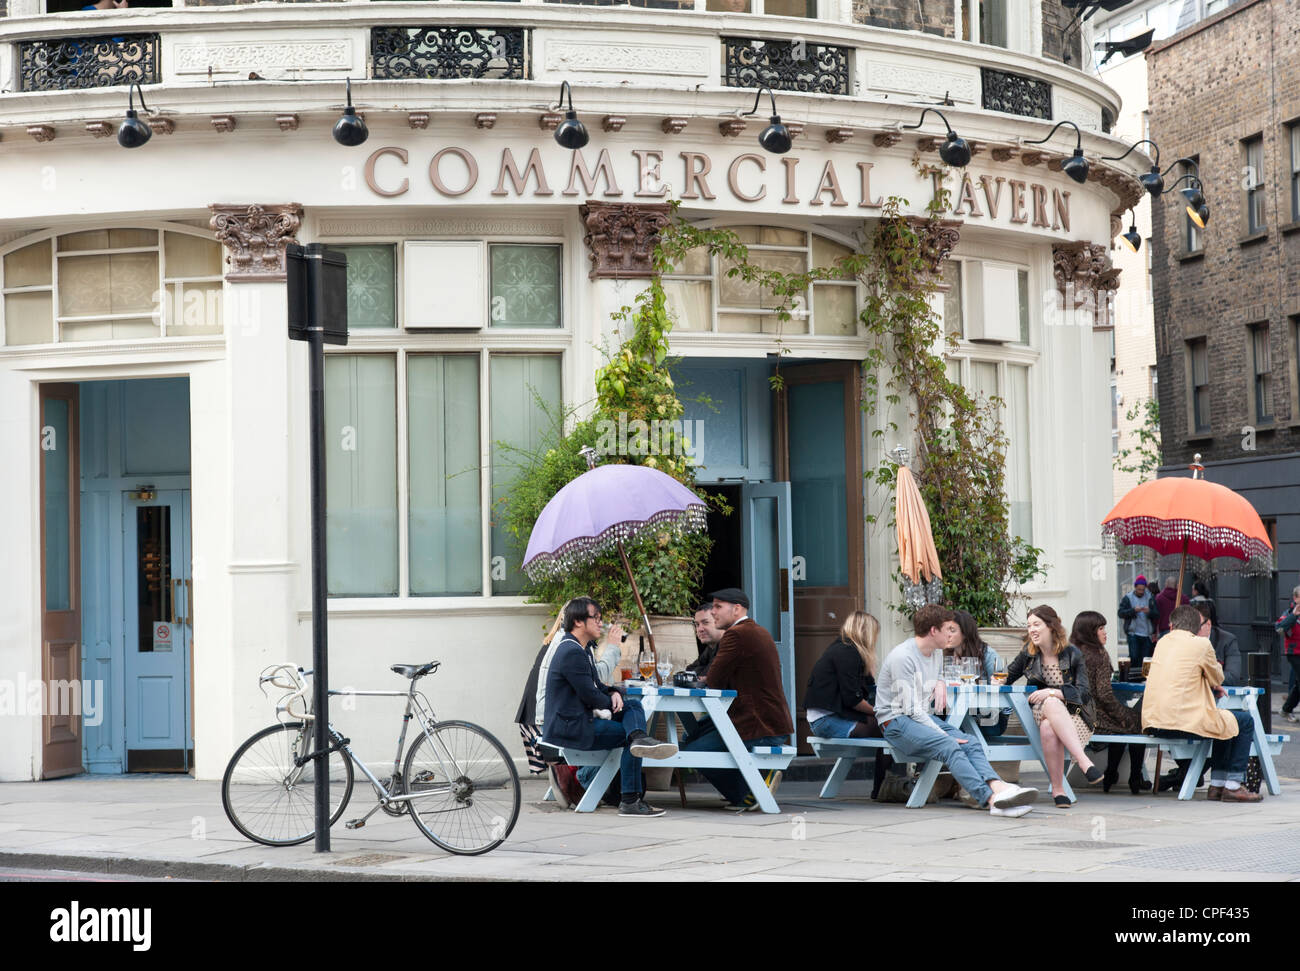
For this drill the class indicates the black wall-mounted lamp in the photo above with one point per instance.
(133, 133)
(1198, 211)
(570, 133)
(1131, 239)
(1153, 182)
(954, 151)
(350, 130)
(775, 138)
(1076, 166)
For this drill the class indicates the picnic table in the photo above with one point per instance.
(1236, 698)
(700, 701)
(966, 704)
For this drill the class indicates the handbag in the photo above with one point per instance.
(1254, 774)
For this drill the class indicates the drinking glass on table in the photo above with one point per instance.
(970, 670)
(646, 663)
(1000, 677)
(1146, 667)
(665, 669)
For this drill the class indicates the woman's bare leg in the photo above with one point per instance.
(1054, 712)
(1054, 755)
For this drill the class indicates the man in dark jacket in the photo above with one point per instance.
(1166, 600)
(746, 663)
(583, 714)
(1226, 649)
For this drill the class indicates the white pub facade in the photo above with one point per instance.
(153, 414)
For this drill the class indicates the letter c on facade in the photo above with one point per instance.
(370, 171)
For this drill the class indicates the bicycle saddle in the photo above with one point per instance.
(415, 670)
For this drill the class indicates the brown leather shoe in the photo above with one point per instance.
(1214, 794)
(1241, 795)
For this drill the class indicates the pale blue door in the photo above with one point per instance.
(766, 552)
(158, 629)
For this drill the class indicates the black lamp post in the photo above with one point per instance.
(570, 133)
(1153, 182)
(1076, 166)
(954, 151)
(350, 130)
(775, 138)
(133, 133)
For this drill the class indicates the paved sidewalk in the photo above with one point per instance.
(173, 825)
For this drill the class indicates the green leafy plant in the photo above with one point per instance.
(1143, 459)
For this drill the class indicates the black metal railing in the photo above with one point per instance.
(1016, 94)
(786, 65)
(88, 62)
(449, 52)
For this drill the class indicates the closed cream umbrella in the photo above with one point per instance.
(918, 559)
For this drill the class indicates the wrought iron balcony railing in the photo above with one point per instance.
(786, 65)
(88, 62)
(450, 52)
(1016, 94)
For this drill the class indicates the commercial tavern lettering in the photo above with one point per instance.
(647, 173)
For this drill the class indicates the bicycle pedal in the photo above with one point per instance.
(354, 823)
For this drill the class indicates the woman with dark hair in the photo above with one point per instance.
(1112, 718)
(973, 646)
(1062, 704)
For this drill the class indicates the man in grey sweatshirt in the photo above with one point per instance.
(908, 686)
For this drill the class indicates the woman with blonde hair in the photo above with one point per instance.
(842, 687)
(1063, 707)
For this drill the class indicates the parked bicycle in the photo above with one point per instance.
(457, 782)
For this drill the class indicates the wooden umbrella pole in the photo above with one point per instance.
(1182, 568)
(645, 618)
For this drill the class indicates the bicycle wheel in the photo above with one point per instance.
(268, 798)
(469, 790)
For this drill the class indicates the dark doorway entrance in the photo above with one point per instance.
(724, 568)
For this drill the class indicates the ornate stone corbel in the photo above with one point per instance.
(417, 120)
(674, 126)
(42, 133)
(938, 239)
(732, 127)
(485, 119)
(613, 123)
(549, 120)
(255, 237)
(287, 122)
(1003, 153)
(838, 136)
(886, 139)
(621, 237)
(1086, 280)
(162, 126)
(224, 123)
(100, 129)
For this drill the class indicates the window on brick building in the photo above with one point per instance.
(1262, 371)
(1114, 418)
(1294, 131)
(1155, 382)
(1193, 242)
(1198, 357)
(1253, 150)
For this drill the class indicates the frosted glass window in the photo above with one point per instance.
(372, 286)
(118, 283)
(983, 379)
(117, 329)
(29, 267)
(361, 474)
(761, 324)
(58, 590)
(825, 254)
(690, 304)
(29, 318)
(525, 286)
(952, 319)
(695, 262)
(835, 310)
(1018, 451)
(524, 391)
(96, 239)
(191, 256)
(194, 309)
(739, 293)
(445, 530)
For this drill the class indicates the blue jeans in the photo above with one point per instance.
(833, 726)
(1228, 756)
(729, 782)
(914, 740)
(1139, 648)
(615, 733)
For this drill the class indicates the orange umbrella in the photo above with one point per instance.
(1192, 516)
(917, 557)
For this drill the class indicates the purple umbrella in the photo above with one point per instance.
(601, 510)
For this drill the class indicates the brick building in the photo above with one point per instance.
(1226, 92)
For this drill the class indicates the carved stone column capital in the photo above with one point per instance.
(938, 239)
(255, 237)
(1086, 280)
(621, 237)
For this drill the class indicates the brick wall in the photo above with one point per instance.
(904, 15)
(1230, 77)
(1055, 17)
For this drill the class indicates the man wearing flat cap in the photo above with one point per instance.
(746, 663)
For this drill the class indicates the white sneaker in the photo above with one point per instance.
(1013, 797)
(1014, 813)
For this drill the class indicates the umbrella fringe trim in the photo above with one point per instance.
(1139, 530)
(583, 549)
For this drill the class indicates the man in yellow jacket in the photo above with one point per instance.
(1179, 702)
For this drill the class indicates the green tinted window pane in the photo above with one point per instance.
(446, 538)
(361, 474)
(525, 286)
(818, 497)
(372, 286)
(56, 449)
(524, 390)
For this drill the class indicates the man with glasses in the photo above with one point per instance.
(585, 715)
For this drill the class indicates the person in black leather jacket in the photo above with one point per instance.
(1062, 703)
